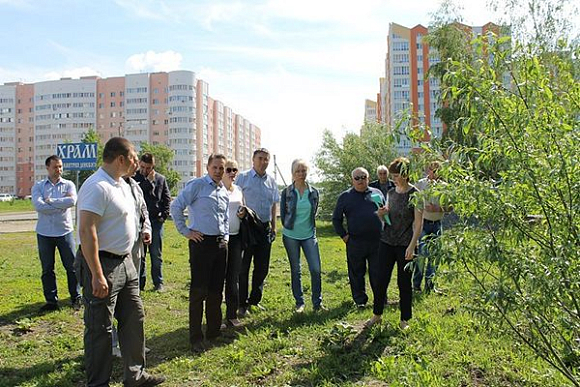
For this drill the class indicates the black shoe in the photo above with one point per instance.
(49, 307)
(152, 380)
(77, 303)
(159, 288)
(198, 347)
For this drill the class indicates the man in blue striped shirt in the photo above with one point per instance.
(261, 195)
(206, 200)
(53, 199)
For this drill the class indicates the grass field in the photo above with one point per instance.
(445, 346)
(16, 206)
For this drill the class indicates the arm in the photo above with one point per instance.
(417, 228)
(69, 200)
(273, 222)
(338, 217)
(38, 201)
(90, 248)
(283, 205)
(164, 206)
(146, 227)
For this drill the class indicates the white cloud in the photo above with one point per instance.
(153, 61)
(71, 73)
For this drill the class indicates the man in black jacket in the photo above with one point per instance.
(383, 183)
(157, 196)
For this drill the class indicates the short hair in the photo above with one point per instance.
(216, 156)
(359, 169)
(298, 162)
(50, 158)
(400, 165)
(382, 168)
(261, 150)
(232, 163)
(115, 147)
(148, 158)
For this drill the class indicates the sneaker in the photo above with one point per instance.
(300, 309)
(117, 352)
(77, 303)
(243, 312)
(404, 325)
(320, 308)
(234, 323)
(49, 307)
(159, 288)
(417, 290)
(257, 307)
(152, 380)
(361, 306)
(376, 319)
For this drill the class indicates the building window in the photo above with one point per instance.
(112, 104)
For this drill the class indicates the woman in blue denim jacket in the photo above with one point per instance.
(298, 206)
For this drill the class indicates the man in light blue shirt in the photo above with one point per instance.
(261, 195)
(206, 199)
(53, 199)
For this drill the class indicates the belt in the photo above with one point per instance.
(106, 254)
(218, 238)
(431, 221)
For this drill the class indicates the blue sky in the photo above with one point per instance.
(292, 67)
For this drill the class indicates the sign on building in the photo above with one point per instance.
(78, 156)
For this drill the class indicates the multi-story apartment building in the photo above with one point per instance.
(172, 108)
(405, 89)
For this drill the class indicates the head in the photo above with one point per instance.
(216, 165)
(299, 170)
(383, 174)
(135, 166)
(399, 171)
(432, 169)
(260, 160)
(360, 179)
(146, 164)
(53, 167)
(231, 171)
(119, 156)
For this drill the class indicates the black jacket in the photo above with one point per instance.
(156, 195)
(251, 229)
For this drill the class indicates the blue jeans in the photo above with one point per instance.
(155, 251)
(310, 248)
(46, 250)
(429, 236)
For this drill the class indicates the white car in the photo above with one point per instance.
(4, 197)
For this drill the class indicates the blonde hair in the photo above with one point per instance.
(299, 162)
(232, 163)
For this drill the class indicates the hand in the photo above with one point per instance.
(146, 238)
(151, 175)
(195, 236)
(100, 286)
(242, 212)
(410, 252)
(272, 236)
(345, 238)
(382, 211)
(433, 208)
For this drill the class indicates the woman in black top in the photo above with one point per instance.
(398, 242)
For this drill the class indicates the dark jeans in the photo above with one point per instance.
(388, 256)
(207, 260)
(233, 276)
(155, 251)
(425, 263)
(46, 251)
(260, 252)
(358, 252)
(124, 303)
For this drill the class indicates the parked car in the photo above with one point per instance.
(4, 197)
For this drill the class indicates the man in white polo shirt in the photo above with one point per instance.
(107, 231)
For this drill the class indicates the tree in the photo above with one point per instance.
(373, 147)
(163, 158)
(524, 258)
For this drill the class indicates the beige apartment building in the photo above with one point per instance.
(172, 108)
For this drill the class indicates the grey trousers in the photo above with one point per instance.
(124, 303)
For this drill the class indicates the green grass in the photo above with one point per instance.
(16, 206)
(445, 346)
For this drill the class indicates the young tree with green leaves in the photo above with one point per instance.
(163, 158)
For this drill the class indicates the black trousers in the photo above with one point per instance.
(358, 253)
(260, 254)
(233, 276)
(388, 257)
(207, 260)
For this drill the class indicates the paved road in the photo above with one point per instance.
(17, 221)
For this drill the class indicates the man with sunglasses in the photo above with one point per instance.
(261, 194)
(363, 232)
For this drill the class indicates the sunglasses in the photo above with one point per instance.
(230, 170)
(361, 177)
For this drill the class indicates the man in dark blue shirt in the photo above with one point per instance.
(364, 231)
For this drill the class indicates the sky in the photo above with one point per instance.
(292, 67)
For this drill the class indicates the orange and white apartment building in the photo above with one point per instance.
(172, 108)
(405, 88)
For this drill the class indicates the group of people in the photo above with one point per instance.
(230, 227)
